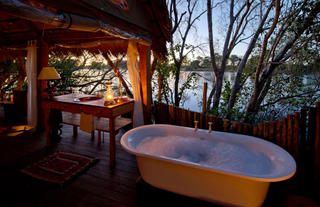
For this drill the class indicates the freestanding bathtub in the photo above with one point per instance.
(219, 167)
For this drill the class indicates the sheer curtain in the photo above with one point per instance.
(134, 75)
(31, 68)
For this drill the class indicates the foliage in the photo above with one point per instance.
(9, 72)
(290, 91)
(65, 67)
(237, 113)
(167, 73)
(76, 73)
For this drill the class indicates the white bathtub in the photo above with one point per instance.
(219, 167)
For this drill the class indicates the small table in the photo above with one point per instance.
(95, 107)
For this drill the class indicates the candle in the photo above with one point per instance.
(109, 94)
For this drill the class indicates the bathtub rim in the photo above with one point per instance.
(127, 148)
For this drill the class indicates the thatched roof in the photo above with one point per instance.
(94, 25)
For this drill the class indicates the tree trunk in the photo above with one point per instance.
(236, 84)
(209, 101)
(176, 85)
(218, 89)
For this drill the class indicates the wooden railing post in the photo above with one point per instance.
(303, 125)
(272, 129)
(296, 133)
(266, 130)
(284, 133)
(260, 130)
(234, 127)
(317, 144)
(204, 98)
(226, 125)
(278, 132)
(290, 133)
(255, 130)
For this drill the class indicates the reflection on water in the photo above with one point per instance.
(194, 97)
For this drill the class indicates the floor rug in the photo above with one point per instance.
(59, 167)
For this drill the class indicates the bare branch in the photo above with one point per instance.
(289, 97)
(209, 16)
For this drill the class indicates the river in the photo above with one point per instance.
(192, 98)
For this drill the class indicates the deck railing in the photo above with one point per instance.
(298, 133)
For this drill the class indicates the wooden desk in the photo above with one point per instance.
(94, 107)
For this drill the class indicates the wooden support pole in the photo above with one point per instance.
(42, 61)
(204, 98)
(145, 78)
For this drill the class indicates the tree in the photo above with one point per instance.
(183, 20)
(301, 18)
(12, 74)
(274, 38)
(234, 59)
(240, 14)
(77, 73)
(195, 64)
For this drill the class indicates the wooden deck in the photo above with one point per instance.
(99, 185)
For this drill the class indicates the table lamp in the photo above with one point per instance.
(49, 74)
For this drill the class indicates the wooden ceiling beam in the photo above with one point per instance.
(75, 35)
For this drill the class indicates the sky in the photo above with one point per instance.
(201, 35)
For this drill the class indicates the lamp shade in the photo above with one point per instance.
(48, 73)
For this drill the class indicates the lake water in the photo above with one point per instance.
(193, 98)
